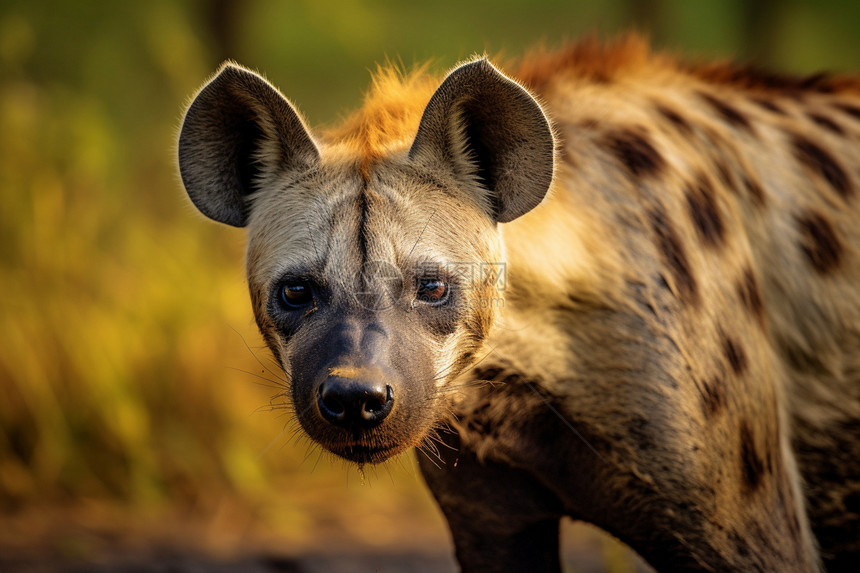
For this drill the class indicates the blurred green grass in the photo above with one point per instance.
(130, 369)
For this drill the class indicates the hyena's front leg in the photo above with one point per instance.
(501, 518)
(687, 498)
(713, 488)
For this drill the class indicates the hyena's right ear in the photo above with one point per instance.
(238, 132)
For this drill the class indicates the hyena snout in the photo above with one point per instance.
(352, 385)
(354, 403)
(360, 388)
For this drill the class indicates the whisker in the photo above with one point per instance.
(390, 475)
(275, 363)
(316, 463)
(310, 448)
(421, 234)
(429, 445)
(464, 385)
(272, 443)
(277, 383)
(430, 457)
(297, 437)
(245, 342)
(446, 369)
(438, 440)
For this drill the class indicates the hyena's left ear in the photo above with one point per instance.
(238, 132)
(491, 131)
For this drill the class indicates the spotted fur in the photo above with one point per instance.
(676, 358)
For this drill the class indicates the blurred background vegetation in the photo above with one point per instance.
(136, 399)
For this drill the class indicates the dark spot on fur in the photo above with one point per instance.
(704, 211)
(479, 420)
(731, 115)
(575, 299)
(769, 106)
(755, 191)
(487, 373)
(675, 119)
(749, 293)
(752, 467)
(819, 242)
(826, 123)
(674, 256)
(512, 379)
(462, 362)
(849, 109)
(713, 397)
(725, 174)
(820, 161)
(635, 151)
(754, 78)
(735, 354)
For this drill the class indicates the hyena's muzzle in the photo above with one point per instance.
(357, 387)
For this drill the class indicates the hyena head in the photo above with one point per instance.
(368, 255)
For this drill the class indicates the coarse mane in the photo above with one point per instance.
(390, 114)
(602, 62)
(392, 108)
(588, 59)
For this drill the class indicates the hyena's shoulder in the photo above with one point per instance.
(746, 186)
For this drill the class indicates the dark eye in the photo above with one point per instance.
(433, 291)
(296, 295)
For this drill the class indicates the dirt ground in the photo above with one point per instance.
(78, 541)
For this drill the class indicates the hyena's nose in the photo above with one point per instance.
(351, 403)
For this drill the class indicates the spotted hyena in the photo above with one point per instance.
(613, 287)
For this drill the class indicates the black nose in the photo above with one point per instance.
(351, 403)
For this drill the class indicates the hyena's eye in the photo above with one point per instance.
(433, 291)
(296, 295)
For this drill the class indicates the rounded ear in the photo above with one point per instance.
(489, 130)
(239, 132)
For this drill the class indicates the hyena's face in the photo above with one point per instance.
(374, 276)
(367, 290)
